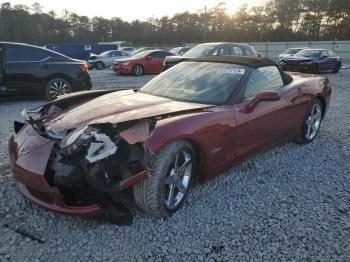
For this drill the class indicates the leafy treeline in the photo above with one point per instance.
(278, 20)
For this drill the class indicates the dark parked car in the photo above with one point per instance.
(189, 124)
(211, 49)
(312, 61)
(27, 70)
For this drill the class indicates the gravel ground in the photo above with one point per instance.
(291, 203)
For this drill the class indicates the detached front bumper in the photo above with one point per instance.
(29, 154)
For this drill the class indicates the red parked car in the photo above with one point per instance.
(187, 125)
(146, 62)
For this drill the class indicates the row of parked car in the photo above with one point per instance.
(27, 69)
(149, 60)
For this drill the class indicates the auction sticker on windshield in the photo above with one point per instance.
(231, 70)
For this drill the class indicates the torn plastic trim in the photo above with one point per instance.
(106, 157)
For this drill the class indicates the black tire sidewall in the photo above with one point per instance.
(99, 65)
(149, 193)
(47, 86)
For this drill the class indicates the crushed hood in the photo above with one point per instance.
(118, 107)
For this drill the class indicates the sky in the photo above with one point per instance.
(132, 10)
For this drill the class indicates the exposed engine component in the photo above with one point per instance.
(102, 148)
(90, 161)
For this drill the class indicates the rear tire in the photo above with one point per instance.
(57, 87)
(166, 190)
(336, 68)
(311, 123)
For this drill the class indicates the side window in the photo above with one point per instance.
(221, 50)
(25, 54)
(160, 54)
(236, 50)
(331, 53)
(263, 78)
(156, 55)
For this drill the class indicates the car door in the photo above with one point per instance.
(109, 58)
(26, 68)
(324, 63)
(155, 62)
(270, 122)
(333, 60)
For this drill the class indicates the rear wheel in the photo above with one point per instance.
(57, 87)
(336, 68)
(311, 123)
(167, 188)
(137, 70)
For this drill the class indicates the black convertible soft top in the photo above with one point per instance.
(252, 62)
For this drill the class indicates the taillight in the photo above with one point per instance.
(84, 67)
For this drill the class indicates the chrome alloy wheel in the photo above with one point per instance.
(138, 70)
(59, 87)
(313, 122)
(178, 180)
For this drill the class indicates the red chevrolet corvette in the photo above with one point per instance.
(146, 62)
(187, 125)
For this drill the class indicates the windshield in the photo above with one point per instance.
(197, 82)
(309, 53)
(200, 50)
(291, 51)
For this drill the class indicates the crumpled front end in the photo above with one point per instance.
(78, 171)
(29, 155)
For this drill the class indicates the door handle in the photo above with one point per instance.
(45, 66)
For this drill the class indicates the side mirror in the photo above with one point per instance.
(266, 95)
(324, 57)
(149, 57)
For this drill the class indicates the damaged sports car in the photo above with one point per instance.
(187, 125)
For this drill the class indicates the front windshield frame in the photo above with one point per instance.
(230, 97)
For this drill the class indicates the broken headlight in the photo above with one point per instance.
(96, 144)
(74, 141)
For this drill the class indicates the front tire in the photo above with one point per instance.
(57, 87)
(311, 123)
(100, 66)
(172, 173)
(137, 70)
